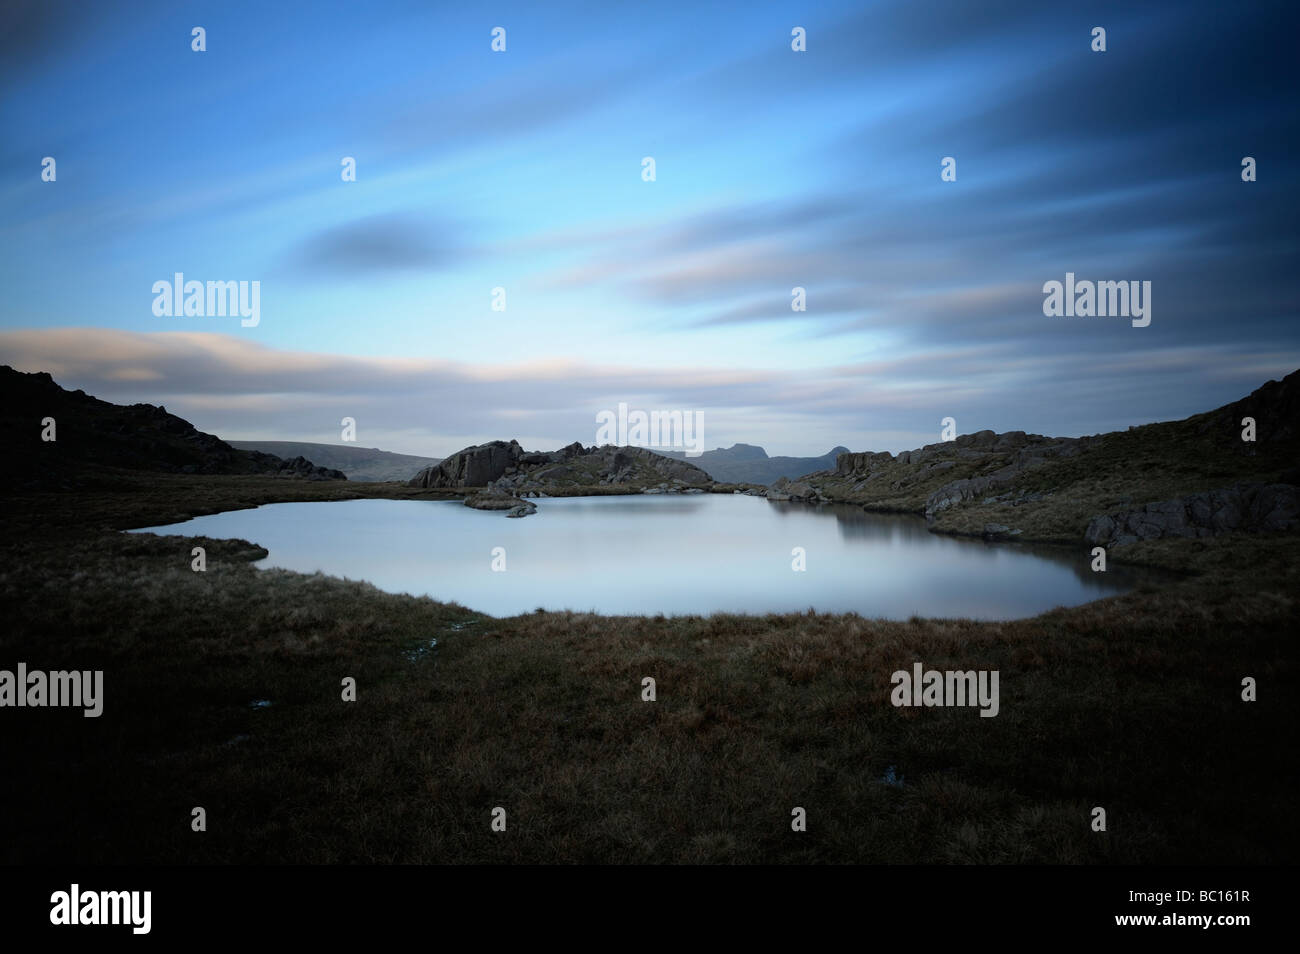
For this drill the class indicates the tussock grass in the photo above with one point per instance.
(1131, 703)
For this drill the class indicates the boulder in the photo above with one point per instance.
(793, 490)
(471, 467)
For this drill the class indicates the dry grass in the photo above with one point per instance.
(1131, 703)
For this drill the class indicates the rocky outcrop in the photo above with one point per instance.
(504, 474)
(674, 488)
(299, 467)
(575, 466)
(1248, 507)
(861, 464)
(801, 490)
(1028, 452)
(489, 500)
(1274, 407)
(474, 466)
(938, 476)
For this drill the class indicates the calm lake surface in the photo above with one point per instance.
(665, 554)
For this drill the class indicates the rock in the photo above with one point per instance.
(471, 467)
(849, 465)
(777, 490)
(513, 506)
(576, 466)
(505, 471)
(980, 440)
(490, 501)
(1028, 457)
(793, 490)
(1275, 407)
(997, 531)
(1244, 507)
(1011, 440)
(302, 467)
(959, 491)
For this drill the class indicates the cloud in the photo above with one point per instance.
(377, 244)
(817, 170)
(237, 388)
(33, 32)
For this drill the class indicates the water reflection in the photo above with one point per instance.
(667, 554)
(855, 523)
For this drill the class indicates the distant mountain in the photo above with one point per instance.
(747, 463)
(93, 438)
(359, 463)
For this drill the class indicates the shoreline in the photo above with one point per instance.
(1132, 576)
(542, 713)
(146, 500)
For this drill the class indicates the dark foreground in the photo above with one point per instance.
(1132, 704)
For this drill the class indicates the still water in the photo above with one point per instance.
(665, 554)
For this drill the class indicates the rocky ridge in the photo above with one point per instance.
(94, 437)
(503, 474)
(1191, 478)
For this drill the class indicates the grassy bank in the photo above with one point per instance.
(1131, 703)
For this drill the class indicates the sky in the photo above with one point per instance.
(522, 170)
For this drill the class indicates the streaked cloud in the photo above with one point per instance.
(237, 388)
(775, 170)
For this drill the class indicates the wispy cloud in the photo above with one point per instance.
(237, 388)
(776, 170)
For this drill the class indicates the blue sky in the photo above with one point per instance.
(775, 169)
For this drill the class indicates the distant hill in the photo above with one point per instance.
(359, 463)
(93, 438)
(748, 463)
